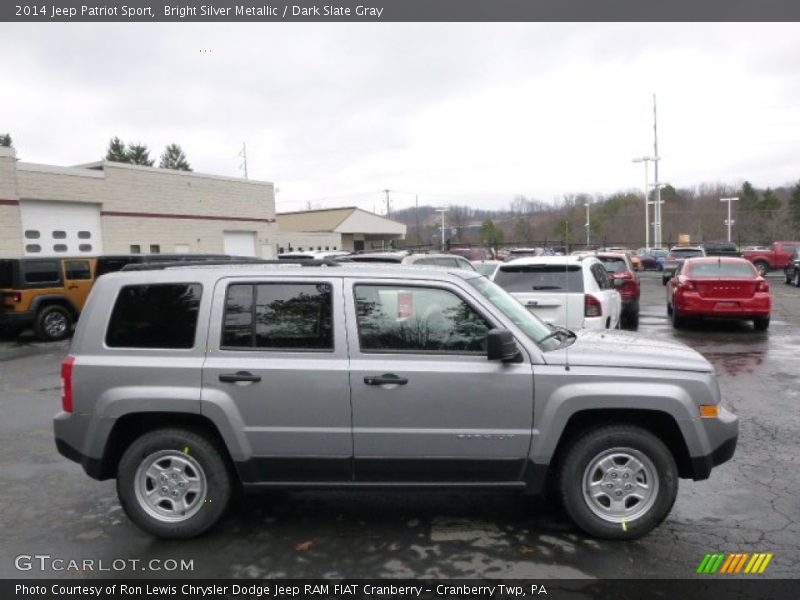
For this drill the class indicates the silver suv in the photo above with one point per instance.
(186, 383)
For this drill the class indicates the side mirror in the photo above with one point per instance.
(618, 282)
(501, 346)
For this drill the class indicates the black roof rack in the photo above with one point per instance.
(157, 266)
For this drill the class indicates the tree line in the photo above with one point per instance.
(760, 216)
(173, 156)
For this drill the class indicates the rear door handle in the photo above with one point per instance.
(390, 378)
(239, 376)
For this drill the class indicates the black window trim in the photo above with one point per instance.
(255, 348)
(481, 313)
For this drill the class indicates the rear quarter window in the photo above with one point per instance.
(42, 271)
(155, 316)
(540, 278)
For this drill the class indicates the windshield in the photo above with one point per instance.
(613, 265)
(530, 324)
(712, 270)
(486, 269)
(540, 278)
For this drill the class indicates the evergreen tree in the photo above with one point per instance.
(174, 158)
(5, 140)
(116, 151)
(139, 154)
(491, 234)
(748, 222)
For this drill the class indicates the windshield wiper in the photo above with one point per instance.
(547, 287)
(558, 330)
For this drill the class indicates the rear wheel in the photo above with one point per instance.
(677, 320)
(787, 277)
(173, 483)
(618, 482)
(761, 324)
(53, 323)
(797, 279)
(763, 267)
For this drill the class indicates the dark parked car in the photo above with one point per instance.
(792, 270)
(675, 256)
(652, 259)
(719, 287)
(720, 249)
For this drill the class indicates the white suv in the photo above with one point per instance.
(571, 291)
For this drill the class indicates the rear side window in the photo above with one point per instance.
(155, 316)
(42, 271)
(6, 274)
(540, 278)
(686, 253)
(601, 277)
(279, 316)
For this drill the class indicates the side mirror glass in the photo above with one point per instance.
(501, 346)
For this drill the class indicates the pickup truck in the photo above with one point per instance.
(778, 257)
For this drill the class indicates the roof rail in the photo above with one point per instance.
(211, 263)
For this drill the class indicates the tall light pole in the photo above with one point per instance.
(657, 208)
(588, 225)
(442, 210)
(729, 200)
(646, 160)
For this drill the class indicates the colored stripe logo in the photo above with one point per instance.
(733, 563)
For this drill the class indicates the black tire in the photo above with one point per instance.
(209, 506)
(669, 309)
(763, 267)
(787, 277)
(761, 324)
(677, 320)
(628, 439)
(797, 279)
(53, 323)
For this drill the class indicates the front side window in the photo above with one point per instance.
(78, 269)
(155, 316)
(417, 319)
(279, 316)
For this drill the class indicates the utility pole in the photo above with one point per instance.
(656, 158)
(388, 207)
(729, 222)
(416, 217)
(442, 210)
(243, 154)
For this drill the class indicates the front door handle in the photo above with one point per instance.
(390, 378)
(73, 287)
(239, 376)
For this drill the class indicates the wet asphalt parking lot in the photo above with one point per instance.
(749, 504)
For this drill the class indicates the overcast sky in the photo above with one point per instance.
(459, 113)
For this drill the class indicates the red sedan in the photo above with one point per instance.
(718, 287)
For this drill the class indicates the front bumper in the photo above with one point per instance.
(722, 433)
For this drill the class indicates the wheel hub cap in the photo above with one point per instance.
(170, 486)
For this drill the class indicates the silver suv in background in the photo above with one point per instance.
(187, 383)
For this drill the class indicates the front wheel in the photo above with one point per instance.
(173, 483)
(618, 482)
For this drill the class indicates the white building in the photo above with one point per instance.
(115, 208)
(348, 228)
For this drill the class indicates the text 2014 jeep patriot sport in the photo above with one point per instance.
(185, 383)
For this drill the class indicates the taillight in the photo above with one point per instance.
(688, 286)
(66, 381)
(762, 286)
(591, 306)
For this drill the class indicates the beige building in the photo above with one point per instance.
(348, 228)
(114, 208)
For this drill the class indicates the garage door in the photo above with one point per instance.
(240, 243)
(54, 228)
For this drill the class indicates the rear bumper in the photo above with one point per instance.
(722, 433)
(691, 304)
(69, 430)
(16, 320)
